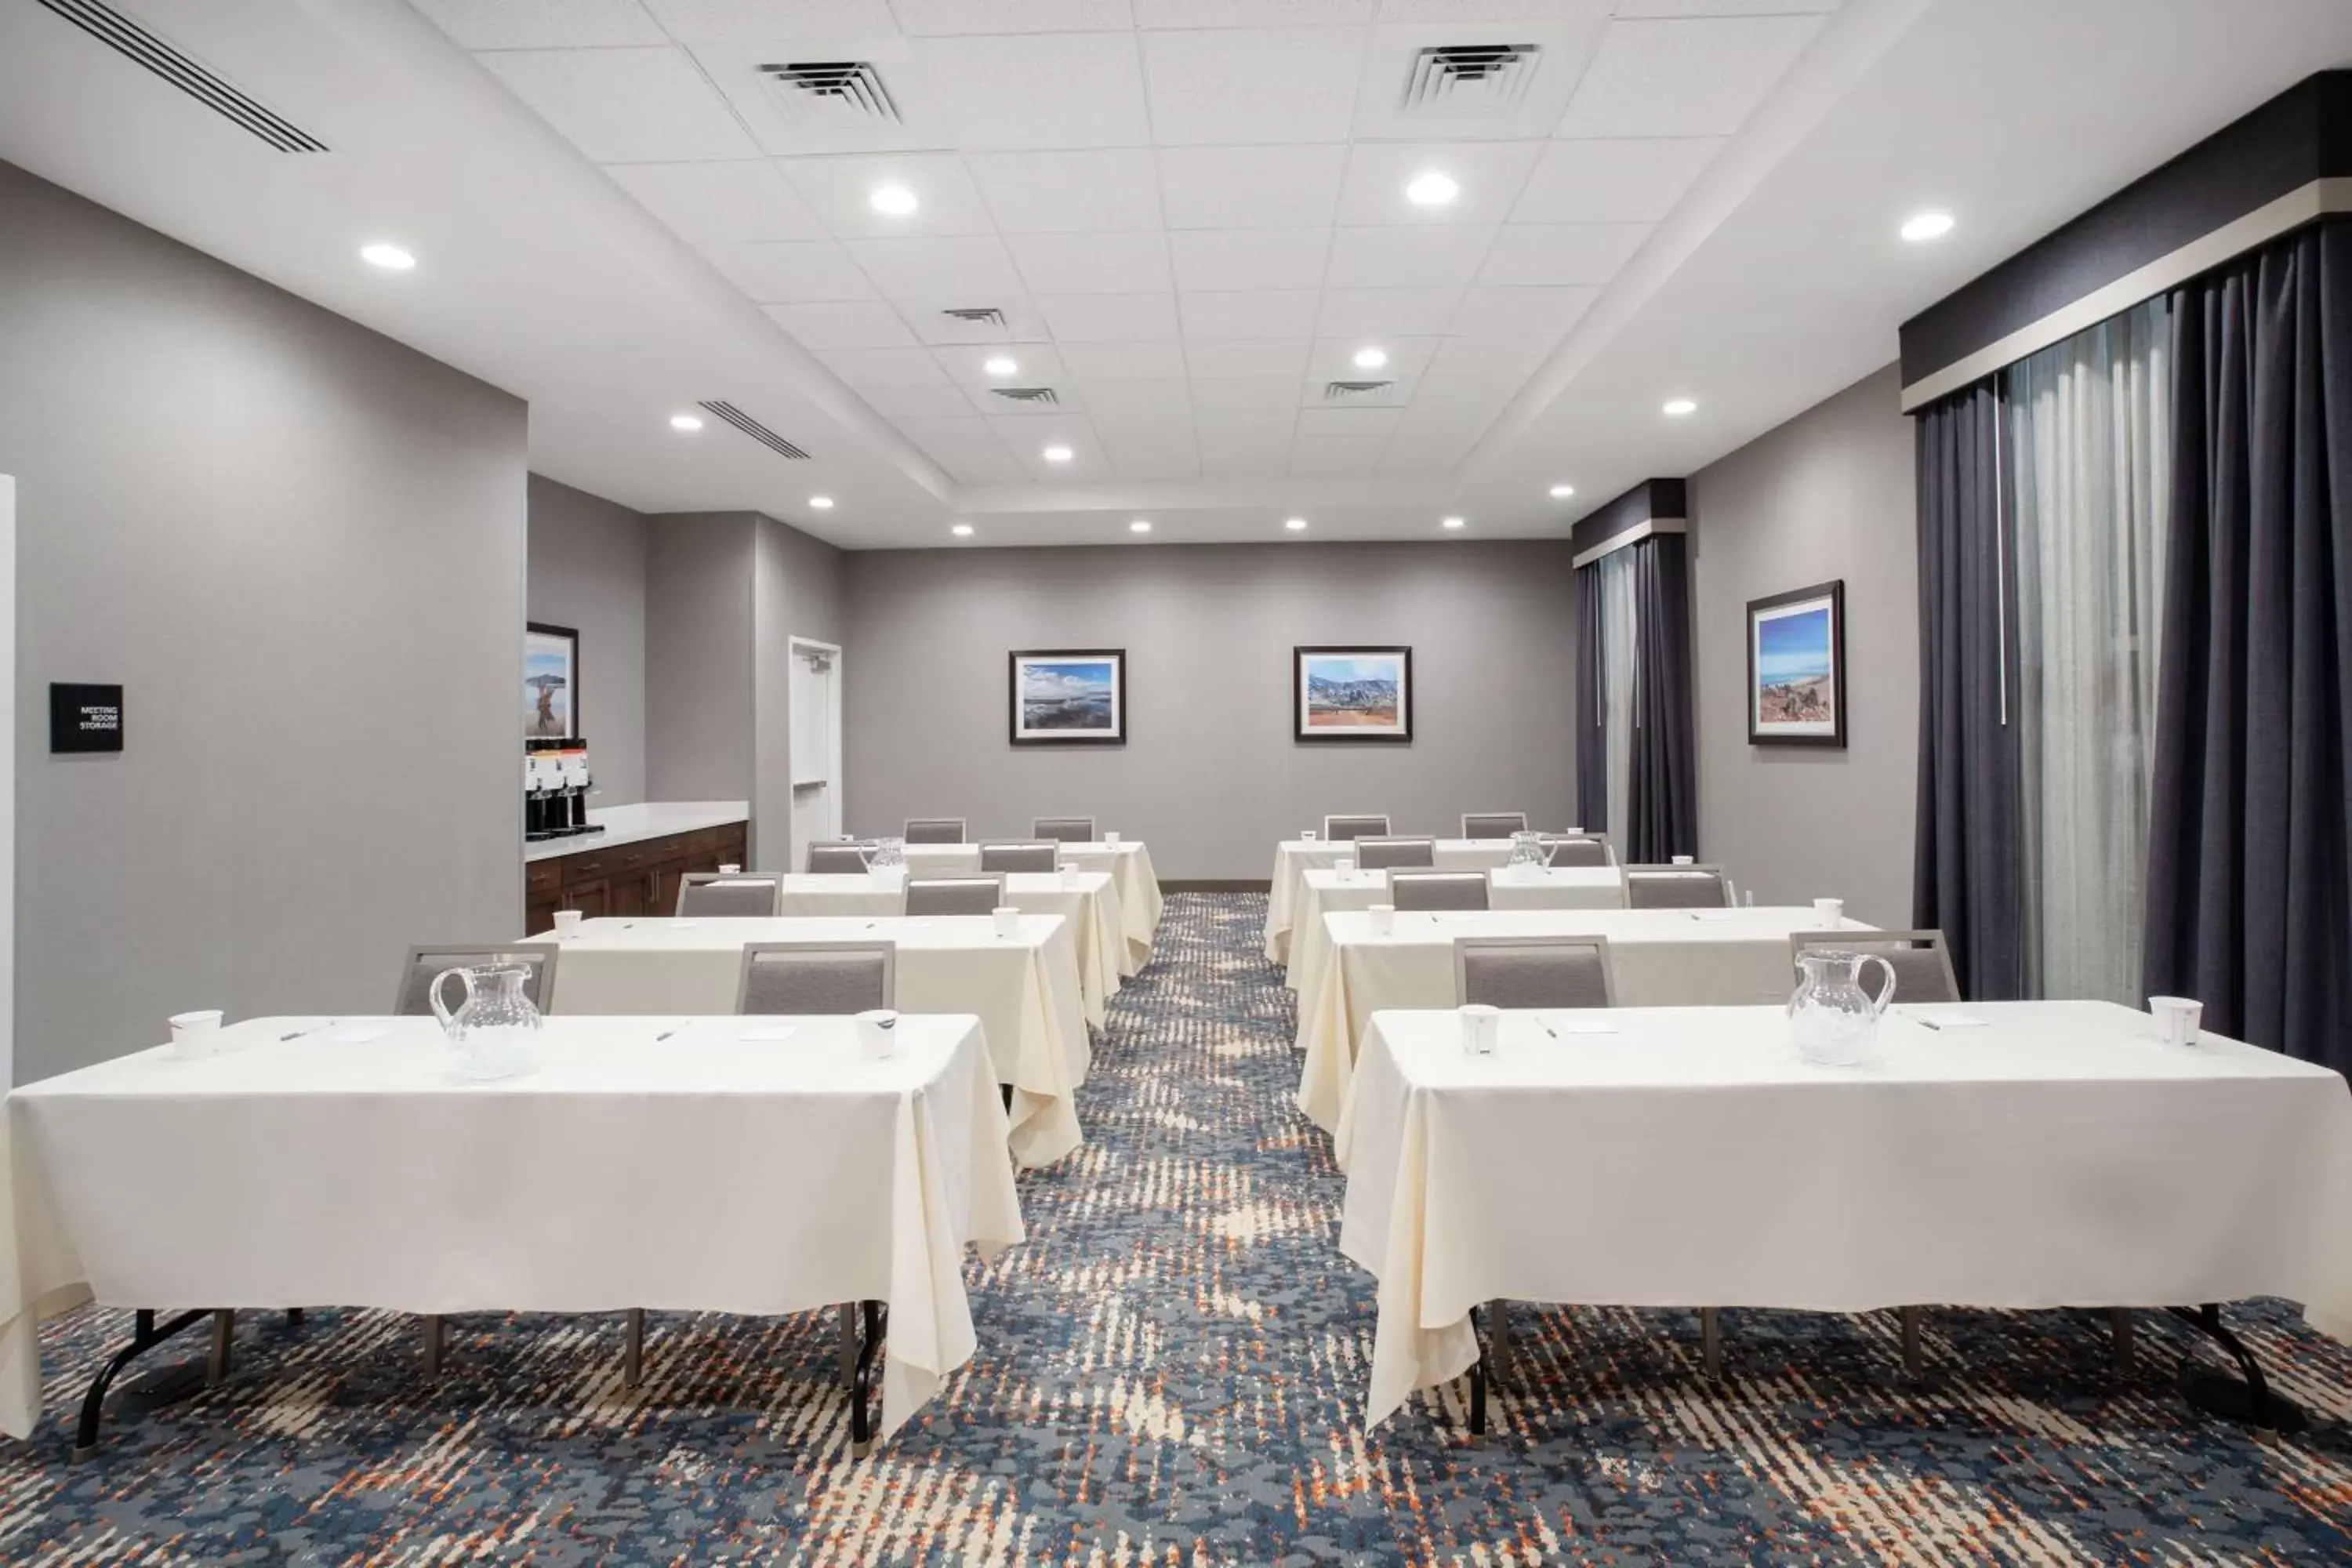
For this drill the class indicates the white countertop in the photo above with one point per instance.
(632, 823)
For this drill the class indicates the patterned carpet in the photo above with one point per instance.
(1171, 1373)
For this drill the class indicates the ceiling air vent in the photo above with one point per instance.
(976, 315)
(1463, 80)
(1347, 391)
(1026, 393)
(756, 431)
(831, 91)
(141, 47)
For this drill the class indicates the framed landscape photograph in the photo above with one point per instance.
(1796, 667)
(1352, 693)
(551, 682)
(1062, 696)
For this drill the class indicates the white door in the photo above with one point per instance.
(815, 699)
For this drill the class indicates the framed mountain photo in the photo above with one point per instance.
(1352, 693)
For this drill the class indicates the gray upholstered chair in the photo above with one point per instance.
(1493, 824)
(1340, 829)
(1922, 964)
(1014, 857)
(848, 856)
(1388, 854)
(1575, 851)
(934, 830)
(1064, 829)
(954, 895)
(1437, 889)
(816, 978)
(414, 997)
(1534, 972)
(716, 894)
(1676, 887)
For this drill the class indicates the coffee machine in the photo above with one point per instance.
(556, 780)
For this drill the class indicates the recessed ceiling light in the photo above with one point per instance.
(1057, 454)
(1679, 407)
(1927, 225)
(686, 421)
(1561, 493)
(1296, 524)
(822, 503)
(961, 530)
(1431, 189)
(390, 257)
(1003, 364)
(1372, 359)
(896, 200)
(1139, 526)
(1452, 522)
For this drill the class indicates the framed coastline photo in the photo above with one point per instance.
(1064, 696)
(551, 682)
(1352, 693)
(1796, 667)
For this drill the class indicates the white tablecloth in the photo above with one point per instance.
(1294, 858)
(1086, 898)
(1659, 957)
(2060, 1156)
(1129, 866)
(703, 1173)
(1508, 888)
(1025, 988)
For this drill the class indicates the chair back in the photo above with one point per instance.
(1534, 972)
(1576, 851)
(838, 858)
(1386, 854)
(414, 997)
(1340, 829)
(1676, 887)
(1437, 889)
(1030, 857)
(934, 830)
(1493, 824)
(816, 978)
(1064, 829)
(1921, 962)
(954, 895)
(717, 895)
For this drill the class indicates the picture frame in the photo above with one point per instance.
(551, 682)
(1796, 667)
(1351, 694)
(1067, 697)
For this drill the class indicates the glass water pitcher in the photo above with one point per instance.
(1832, 1017)
(1527, 849)
(495, 1029)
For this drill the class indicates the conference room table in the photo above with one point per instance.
(1127, 862)
(2007, 1155)
(1087, 900)
(1508, 888)
(1658, 958)
(751, 1165)
(1023, 987)
(1294, 858)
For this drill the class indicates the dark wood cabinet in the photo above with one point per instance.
(626, 880)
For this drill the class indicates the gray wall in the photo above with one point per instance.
(1210, 774)
(1828, 495)
(588, 573)
(288, 538)
(699, 652)
(798, 593)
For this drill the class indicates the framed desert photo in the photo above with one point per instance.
(1352, 693)
(1796, 667)
(1062, 696)
(551, 682)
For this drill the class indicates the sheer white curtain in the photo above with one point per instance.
(1617, 629)
(2089, 424)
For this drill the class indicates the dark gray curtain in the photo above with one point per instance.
(2250, 844)
(1662, 815)
(1967, 873)
(1591, 733)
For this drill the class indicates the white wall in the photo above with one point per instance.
(588, 573)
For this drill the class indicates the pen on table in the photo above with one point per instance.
(1546, 1028)
(665, 1034)
(312, 1029)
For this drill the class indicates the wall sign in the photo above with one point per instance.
(85, 718)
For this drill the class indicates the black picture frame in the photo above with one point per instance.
(1020, 734)
(569, 636)
(1830, 732)
(1398, 734)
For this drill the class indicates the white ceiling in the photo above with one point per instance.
(1189, 212)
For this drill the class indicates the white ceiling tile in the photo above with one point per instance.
(1252, 447)
(766, 21)
(921, 18)
(1613, 181)
(840, 190)
(1112, 317)
(1251, 313)
(1425, 451)
(1245, 396)
(784, 274)
(1386, 111)
(1509, 360)
(1252, 13)
(1632, 9)
(1455, 403)
(918, 402)
(1092, 263)
(976, 267)
(1230, 258)
(1534, 313)
(1066, 193)
(870, 325)
(1122, 406)
(543, 24)
(1097, 364)
(1352, 422)
(1458, 11)
(864, 368)
(1286, 358)
(1699, 77)
(1251, 187)
(1270, 85)
(1037, 365)
(1167, 453)
(1334, 359)
(1332, 457)
(625, 105)
(790, 124)
(1559, 254)
(928, 315)
(1407, 257)
(996, 89)
(1027, 439)
(720, 204)
(1386, 312)
(1490, 174)
(967, 449)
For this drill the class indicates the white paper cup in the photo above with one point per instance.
(730, 870)
(877, 1033)
(1683, 860)
(192, 1033)
(1307, 836)
(1110, 840)
(1828, 914)
(1008, 921)
(1345, 865)
(567, 922)
(1481, 1027)
(1383, 919)
(2177, 1018)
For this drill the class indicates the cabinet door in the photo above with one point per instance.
(626, 895)
(539, 914)
(666, 879)
(593, 900)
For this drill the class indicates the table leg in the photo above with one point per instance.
(1710, 1339)
(848, 1313)
(224, 1345)
(1477, 1384)
(436, 1341)
(145, 1336)
(1909, 1318)
(2119, 1325)
(1498, 1342)
(293, 1317)
(633, 1348)
(2250, 1401)
(861, 1435)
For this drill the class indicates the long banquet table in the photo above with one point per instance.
(2060, 1154)
(1294, 858)
(1023, 987)
(353, 1166)
(1127, 862)
(1659, 957)
(1508, 888)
